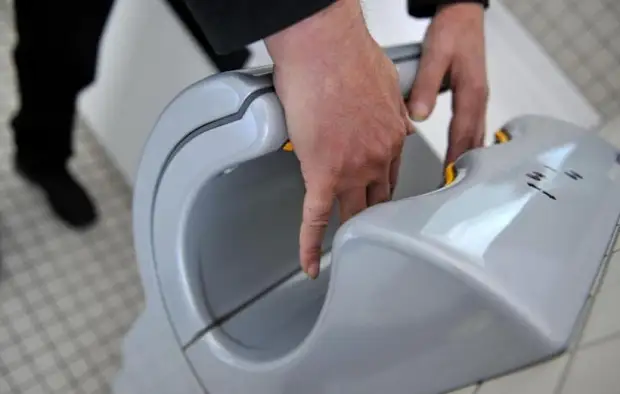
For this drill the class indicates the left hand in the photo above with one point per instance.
(454, 44)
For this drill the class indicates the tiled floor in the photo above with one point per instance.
(583, 37)
(591, 367)
(67, 298)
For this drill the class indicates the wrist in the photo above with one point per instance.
(320, 36)
(469, 7)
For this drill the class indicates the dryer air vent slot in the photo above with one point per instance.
(242, 241)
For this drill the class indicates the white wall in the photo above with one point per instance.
(147, 58)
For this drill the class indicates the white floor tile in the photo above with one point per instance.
(599, 279)
(595, 370)
(582, 41)
(540, 379)
(612, 277)
(604, 319)
(611, 131)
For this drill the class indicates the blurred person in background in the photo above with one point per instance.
(55, 58)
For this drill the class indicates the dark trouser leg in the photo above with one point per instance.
(228, 62)
(55, 58)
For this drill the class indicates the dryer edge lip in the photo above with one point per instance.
(170, 157)
(212, 125)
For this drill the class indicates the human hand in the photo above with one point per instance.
(454, 44)
(345, 115)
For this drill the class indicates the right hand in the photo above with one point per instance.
(345, 116)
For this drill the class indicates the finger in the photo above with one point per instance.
(482, 128)
(378, 192)
(352, 202)
(433, 68)
(409, 127)
(318, 203)
(469, 108)
(394, 170)
(458, 142)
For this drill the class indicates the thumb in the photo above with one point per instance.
(429, 77)
(318, 203)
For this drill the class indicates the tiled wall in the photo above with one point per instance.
(583, 37)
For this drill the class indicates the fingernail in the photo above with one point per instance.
(313, 271)
(419, 112)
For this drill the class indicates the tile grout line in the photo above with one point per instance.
(22, 339)
(72, 380)
(581, 60)
(553, 26)
(9, 376)
(600, 341)
(5, 373)
(572, 353)
(608, 7)
(565, 372)
(62, 317)
(573, 349)
(609, 254)
(605, 43)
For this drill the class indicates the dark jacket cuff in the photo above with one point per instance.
(230, 25)
(428, 8)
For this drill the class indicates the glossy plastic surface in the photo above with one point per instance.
(475, 279)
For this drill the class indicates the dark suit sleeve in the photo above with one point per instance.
(230, 25)
(427, 8)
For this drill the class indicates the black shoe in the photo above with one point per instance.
(67, 198)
